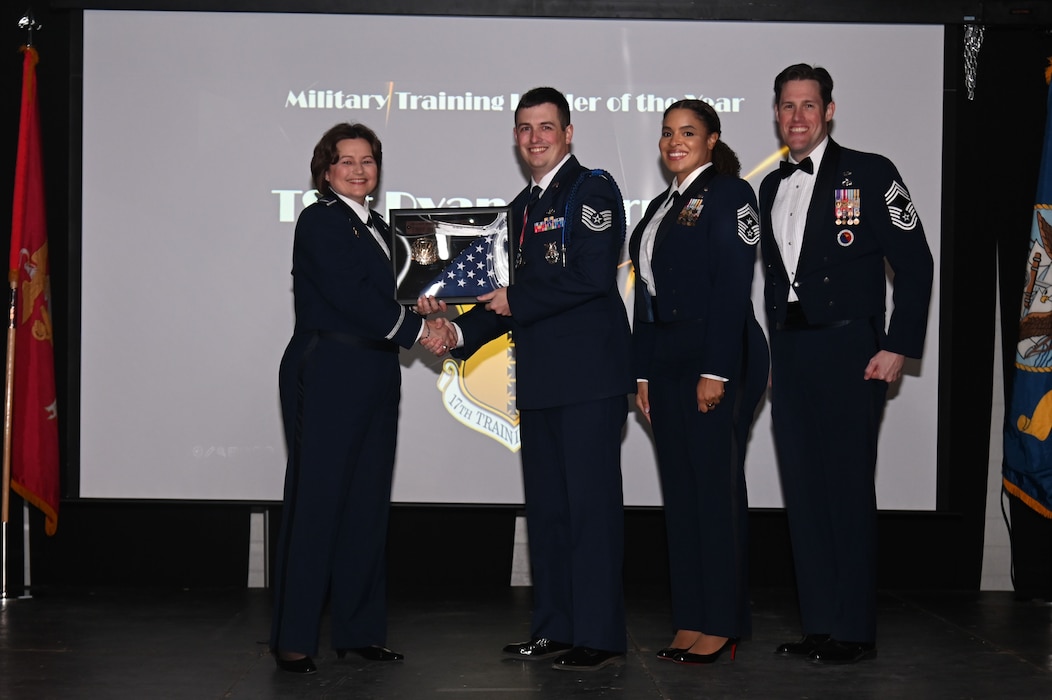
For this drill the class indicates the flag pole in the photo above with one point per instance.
(9, 391)
(27, 23)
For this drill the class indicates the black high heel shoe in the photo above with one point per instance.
(669, 653)
(302, 665)
(685, 657)
(373, 653)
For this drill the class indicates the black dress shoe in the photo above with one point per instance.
(586, 659)
(536, 649)
(804, 647)
(685, 657)
(833, 651)
(301, 665)
(373, 653)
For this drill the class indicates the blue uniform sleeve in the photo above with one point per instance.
(731, 264)
(906, 251)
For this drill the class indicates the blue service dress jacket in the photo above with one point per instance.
(704, 257)
(343, 280)
(568, 321)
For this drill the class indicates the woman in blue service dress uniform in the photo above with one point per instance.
(340, 384)
(701, 362)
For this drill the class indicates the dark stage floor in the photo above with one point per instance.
(208, 644)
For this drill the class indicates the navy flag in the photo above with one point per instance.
(1027, 467)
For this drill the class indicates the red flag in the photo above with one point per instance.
(34, 438)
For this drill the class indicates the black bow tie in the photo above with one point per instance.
(785, 168)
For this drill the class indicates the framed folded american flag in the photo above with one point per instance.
(453, 254)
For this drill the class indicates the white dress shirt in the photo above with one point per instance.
(789, 213)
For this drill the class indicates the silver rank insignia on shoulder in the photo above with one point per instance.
(551, 253)
(900, 207)
(748, 225)
(847, 207)
(596, 220)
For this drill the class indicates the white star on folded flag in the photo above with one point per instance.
(470, 273)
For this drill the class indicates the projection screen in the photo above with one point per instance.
(197, 135)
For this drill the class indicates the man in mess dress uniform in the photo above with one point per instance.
(830, 220)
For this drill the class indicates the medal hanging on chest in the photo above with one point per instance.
(551, 253)
(688, 216)
(550, 222)
(848, 206)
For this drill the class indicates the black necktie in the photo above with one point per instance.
(785, 168)
(535, 194)
(672, 199)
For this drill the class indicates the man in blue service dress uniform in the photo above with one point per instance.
(830, 218)
(572, 355)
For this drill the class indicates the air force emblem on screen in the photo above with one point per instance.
(480, 391)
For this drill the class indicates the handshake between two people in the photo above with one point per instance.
(440, 334)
